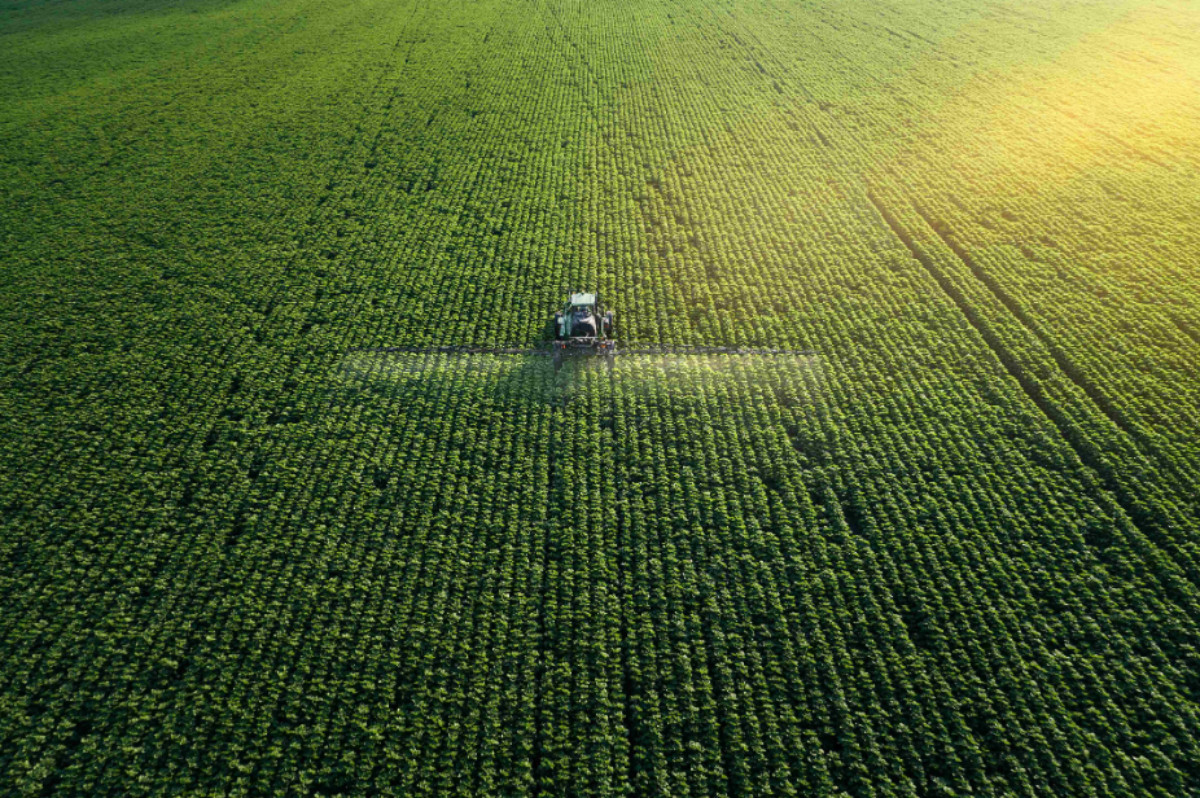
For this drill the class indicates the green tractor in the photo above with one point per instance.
(583, 327)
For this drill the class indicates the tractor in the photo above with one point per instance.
(583, 327)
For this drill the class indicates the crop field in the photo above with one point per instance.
(953, 551)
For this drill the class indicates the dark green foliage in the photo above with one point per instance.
(953, 554)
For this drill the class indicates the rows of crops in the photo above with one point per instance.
(953, 552)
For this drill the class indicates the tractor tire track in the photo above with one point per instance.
(1138, 436)
(1149, 521)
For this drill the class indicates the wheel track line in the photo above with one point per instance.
(1142, 442)
(1088, 453)
(1009, 362)
(1016, 311)
(1187, 329)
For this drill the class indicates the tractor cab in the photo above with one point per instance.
(583, 327)
(583, 319)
